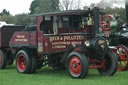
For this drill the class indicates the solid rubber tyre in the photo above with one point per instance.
(3, 59)
(34, 65)
(10, 58)
(77, 65)
(110, 64)
(23, 61)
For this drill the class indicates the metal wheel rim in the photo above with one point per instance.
(123, 59)
(75, 66)
(21, 62)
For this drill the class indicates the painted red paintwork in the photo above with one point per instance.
(123, 54)
(20, 38)
(46, 44)
(104, 23)
(94, 61)
(61, 43)
(21, 62)
(33, 38)
(75, 65)
(39, 35)
(95, 67)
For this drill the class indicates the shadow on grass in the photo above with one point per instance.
(92, 74)
(10, 67)
(49, 71)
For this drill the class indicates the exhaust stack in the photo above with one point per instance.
(96, 19)
(126, 7)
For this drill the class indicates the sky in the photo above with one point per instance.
(22, 6)
(15, 6)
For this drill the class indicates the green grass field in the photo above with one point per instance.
(47, 76)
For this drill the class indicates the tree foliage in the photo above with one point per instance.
(5, 16)
(4, 12)
(23, 19)
(40, 6)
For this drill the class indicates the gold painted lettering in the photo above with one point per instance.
(20, 36)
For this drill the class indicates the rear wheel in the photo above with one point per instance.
(34, 65)
(77, 65)
(10, 58)
(3, 59)
(23, 61)
(110, 64)
(122, 52)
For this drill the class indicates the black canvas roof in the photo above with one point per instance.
(74, 12)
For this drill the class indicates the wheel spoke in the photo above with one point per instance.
(121, 63)
(109, 17)
(125, 62)
(123, 57)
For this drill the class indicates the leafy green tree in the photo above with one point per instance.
(23, 19)
(4, 18)
(40, 6)
(4, 12)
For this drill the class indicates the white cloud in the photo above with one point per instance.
(15, 6)
(91, 1)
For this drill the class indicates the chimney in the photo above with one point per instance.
(126, 7)
(96, 19)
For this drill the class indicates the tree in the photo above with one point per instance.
(5, 16)
(4, 12)
(70, 4)
(39, 6)
(23, 19)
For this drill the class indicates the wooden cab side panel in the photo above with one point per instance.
(23, 39)
(61, 43)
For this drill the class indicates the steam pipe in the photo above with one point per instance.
(126, 7)
(96, 20)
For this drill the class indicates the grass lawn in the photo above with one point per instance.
(47, 76)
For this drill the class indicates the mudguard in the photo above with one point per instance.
(73, 49)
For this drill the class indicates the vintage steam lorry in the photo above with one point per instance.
(117, 36)
(68, 39)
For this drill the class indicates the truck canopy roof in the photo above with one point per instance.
(74, 12)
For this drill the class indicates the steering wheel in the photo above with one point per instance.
(105, 22)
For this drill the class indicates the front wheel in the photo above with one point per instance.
(110, 64)
(77, 65)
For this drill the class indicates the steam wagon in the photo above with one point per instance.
(68, 39)
(117, 36)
